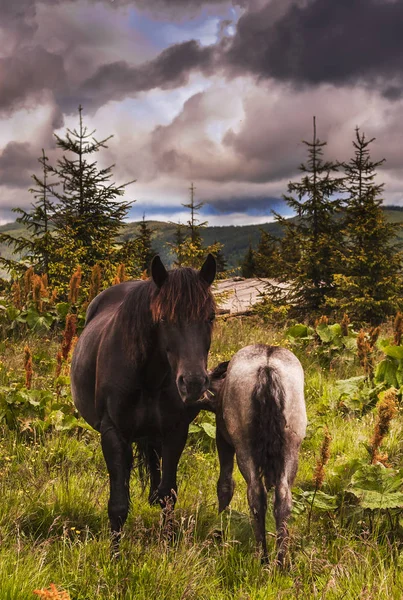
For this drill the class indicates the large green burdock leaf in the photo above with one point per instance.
(386, 371)
(349, 386)
(330, 333)
(393, 351)
(376, 486)
(299, 331)
(209, 429)
(38, 321)
(321, 500)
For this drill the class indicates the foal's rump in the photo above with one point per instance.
(263, 408)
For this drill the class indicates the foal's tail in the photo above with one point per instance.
(269, 399)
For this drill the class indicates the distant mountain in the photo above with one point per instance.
(235, 238)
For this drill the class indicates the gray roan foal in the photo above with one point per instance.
(261, 417)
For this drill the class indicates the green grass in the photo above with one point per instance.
(54, 526)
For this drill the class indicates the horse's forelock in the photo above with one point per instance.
(184, 296)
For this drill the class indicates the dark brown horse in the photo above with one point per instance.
(138, 372)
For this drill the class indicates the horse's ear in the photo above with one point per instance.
(158, 271)
(208, 270)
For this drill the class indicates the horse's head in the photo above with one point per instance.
(184, 311)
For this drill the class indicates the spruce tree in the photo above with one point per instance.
(39, 248)
(248, 265)
(177, 245)
(266, 257)
(147, 250)
(190, 252)
(315, 231)
(193, 224)
(87, 201)
(369, 282)
(220, 260)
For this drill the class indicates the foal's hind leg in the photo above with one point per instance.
(283, 498)
(225, 484)
(118, 456)
(257, 499)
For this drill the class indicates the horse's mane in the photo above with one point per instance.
(184, 296)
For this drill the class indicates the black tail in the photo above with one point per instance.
(142, 459)
(268, 397)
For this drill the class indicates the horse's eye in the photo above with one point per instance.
(212, 317)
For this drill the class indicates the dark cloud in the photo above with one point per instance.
(28, 72)
(18, 20)
(17, 163)
(169, 69)
(257, 205)
(321, 41)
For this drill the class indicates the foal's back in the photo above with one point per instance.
(249, 369)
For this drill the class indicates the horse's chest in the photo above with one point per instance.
(146, 415)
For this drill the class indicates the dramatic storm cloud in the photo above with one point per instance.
(219, 92)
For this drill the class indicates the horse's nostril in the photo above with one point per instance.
(181, 380)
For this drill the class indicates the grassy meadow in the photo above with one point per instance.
(54, 491)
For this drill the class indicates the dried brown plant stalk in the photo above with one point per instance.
(29, 273)
(319, 473)
(74, 285)
(120, 274)
(398, 328)
(345, 322)
(323, 320)
(28, 367)
(16, 295)
(68, 334)
(387, 410)
(365, 347)
(95, 285)
(37, 291)
(52, 593)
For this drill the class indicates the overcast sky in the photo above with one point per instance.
(217, 92)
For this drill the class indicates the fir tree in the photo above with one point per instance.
(39, 248)
(190, 252)
(266, 257)
(177, 246)
(248, 265)
(316, 231)
(193, 224)
(147, 250)
(88, 203)
(369, 283)
(220, 259)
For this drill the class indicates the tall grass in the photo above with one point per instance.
(54, 525)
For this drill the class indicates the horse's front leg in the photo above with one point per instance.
(172, 448)
(118, 456)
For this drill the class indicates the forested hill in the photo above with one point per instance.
(235, 238)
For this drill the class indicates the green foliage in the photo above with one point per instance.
(377, 487)
(54, 492)
(368, 285)
(315, 236)
(187, 246)
(390, 370)
(328, 341)
(248, 265)
(266, 256)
